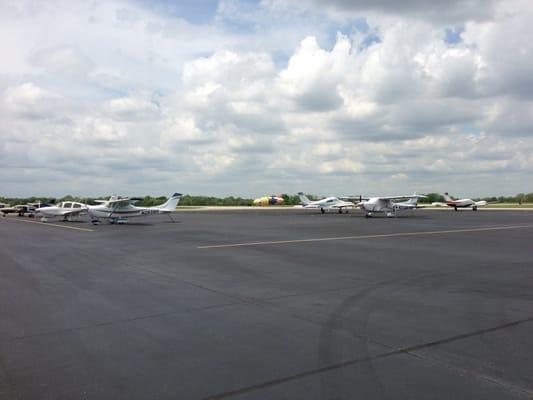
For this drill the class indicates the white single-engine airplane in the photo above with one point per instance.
(463, 203)
(329, 203)
(118, 209)
(65, 209)
(388, 205)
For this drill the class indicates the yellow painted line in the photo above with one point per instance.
(56, 225)
(386, 235)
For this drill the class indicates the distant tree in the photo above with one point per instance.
(432, 198)
(291, 200)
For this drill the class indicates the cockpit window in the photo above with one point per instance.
(76, 205)
(67, 205)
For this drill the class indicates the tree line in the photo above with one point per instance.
(190, 200)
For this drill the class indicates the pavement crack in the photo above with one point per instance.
(124, 320)
(477, 374)
(405, 350)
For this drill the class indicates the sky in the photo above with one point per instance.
(247, 98)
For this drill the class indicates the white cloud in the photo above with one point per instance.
(29, 100)
(132, 108)
(270, 97)
(451, 11)
(312, 75)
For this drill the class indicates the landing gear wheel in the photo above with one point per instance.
(455, 208)
(340, 210)
(322, 211)
(474, 208)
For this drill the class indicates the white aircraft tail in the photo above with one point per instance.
(303, 199)
(447, 197)
(412, 200)
(170, 204)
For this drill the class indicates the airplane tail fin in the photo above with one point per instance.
(303, 198)
(170, 204)
(447, 197)
(412, 200)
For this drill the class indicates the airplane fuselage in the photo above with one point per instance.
(461, 203)
(103, 211)
(66, 209)
(389, 205)
(330, 203)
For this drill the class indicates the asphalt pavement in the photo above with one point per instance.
(287, 304)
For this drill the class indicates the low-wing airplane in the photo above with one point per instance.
(390, 204)
(22, 209)
(463, 203)
(119, 209)
(19, 209)
(65, 209)
(329, 203)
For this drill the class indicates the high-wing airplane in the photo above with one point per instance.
(390, 204)
(463, 203)
(119, 209)
(329, 203)
(65, 209)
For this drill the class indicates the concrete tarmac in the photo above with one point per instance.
(287, 304)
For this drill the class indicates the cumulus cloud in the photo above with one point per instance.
(451, 11)
(30, 101)
(313, 74)
(132, 108)
(327, 97)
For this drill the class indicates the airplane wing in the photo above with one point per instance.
(117, 202)
(73, 213)
(405, 206)
(100, 201)
(342, 204)
(352, 198)
(410, 196)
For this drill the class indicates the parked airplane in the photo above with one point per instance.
(65, 209)
(118, 209)
(388, 205)
(329, 203)
(19, 209)
(463, 203)
(22, 209)
(269, 201)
